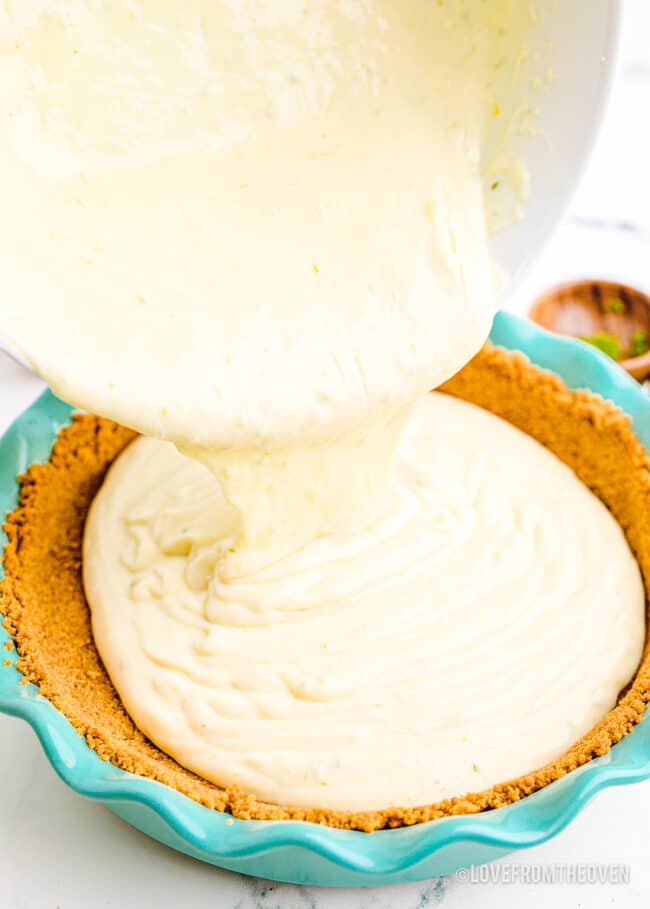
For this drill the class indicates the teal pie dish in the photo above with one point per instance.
(297, 851)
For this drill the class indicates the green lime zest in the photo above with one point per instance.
(608, 344)
(639, 343)
(614, 304)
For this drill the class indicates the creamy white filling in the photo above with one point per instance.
(468, 636)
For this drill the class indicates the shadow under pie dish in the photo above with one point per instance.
(47, 616)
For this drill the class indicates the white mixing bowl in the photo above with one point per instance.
(579, 40)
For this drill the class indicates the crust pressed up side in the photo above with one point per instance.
(46, 613)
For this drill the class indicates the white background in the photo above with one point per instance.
(58, 851)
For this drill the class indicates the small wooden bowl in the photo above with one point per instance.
(582, 309)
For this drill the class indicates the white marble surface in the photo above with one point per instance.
(58, 850)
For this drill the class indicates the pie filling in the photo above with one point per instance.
(469, 634)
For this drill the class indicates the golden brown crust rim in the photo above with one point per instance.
(47, 615)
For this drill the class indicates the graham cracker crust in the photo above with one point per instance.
(46, 613)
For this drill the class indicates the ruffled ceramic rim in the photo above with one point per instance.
(526, 823)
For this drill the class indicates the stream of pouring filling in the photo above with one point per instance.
(257, 229)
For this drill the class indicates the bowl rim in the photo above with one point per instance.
(529, 822)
